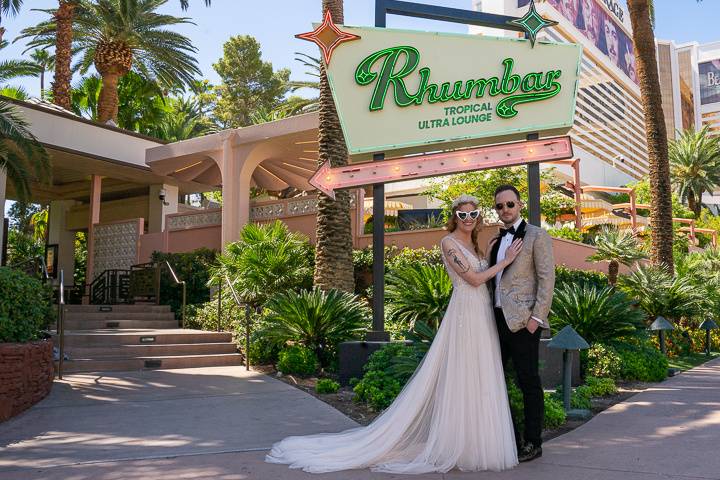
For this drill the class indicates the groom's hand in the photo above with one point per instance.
(532, 325)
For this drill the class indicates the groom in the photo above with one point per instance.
(522, 297)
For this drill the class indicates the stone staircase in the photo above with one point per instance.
(137, 337)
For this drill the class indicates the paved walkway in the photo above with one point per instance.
(217, 423)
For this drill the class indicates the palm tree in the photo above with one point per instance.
(617, 247)
(22, 157)
(695, 166)
(333, 257)
(641, 17)
(119, 35)
(8, 7)
(184, 4)
(15, 68)
(296, 104)
(44, 62)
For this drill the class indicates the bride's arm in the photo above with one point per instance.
(459, 262)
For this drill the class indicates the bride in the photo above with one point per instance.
(454, 411)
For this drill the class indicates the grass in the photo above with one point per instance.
(689, 361)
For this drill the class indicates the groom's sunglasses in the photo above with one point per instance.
(463, 215)
(499, 206)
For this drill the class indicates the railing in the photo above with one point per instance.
(184, 291)
(33, 266)
(247, 321)
(61, 322)
(111, 287)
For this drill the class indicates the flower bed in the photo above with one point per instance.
(26, 375)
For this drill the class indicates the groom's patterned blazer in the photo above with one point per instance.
(526, 286)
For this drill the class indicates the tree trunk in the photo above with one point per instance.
(108, 101)
(613, 270)
(63, 54)
(660, 189)
(693, 202)
(333, 254)
(42, 84)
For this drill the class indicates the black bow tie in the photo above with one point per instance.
(505, 231)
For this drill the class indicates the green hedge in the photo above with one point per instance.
(25, 306)
(297, 359)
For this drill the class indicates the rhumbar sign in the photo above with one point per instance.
(410, 91)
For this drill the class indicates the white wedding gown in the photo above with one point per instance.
(452, 413)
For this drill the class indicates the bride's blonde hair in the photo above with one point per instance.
(451, 224)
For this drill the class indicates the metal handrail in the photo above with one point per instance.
(61, 322)
(184, 291)
(43, 266)
(247, 321)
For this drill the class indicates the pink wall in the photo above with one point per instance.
(194, 238)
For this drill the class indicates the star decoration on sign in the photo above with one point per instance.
(327, 36)
(532, 22)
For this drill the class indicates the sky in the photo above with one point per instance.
(274, 22)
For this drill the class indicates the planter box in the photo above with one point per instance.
(26, 375)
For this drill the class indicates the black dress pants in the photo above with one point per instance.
(522, 348)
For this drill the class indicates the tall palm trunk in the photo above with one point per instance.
(661, 196)
(63, 53)
(694, 202)
(333, 255)
(613, 270)
(108, 101)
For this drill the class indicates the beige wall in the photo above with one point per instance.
(110, 211)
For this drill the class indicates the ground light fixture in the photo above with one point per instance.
(707, 325)
(660, 325)
(568, 340)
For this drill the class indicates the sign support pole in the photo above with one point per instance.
(378, 332)
(533, 177)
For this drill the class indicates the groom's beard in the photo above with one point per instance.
(512, 222)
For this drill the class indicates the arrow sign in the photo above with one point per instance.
(328, 179)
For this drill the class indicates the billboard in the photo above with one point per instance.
(709, 82)
(600, 28)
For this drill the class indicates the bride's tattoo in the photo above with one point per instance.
(458, 262)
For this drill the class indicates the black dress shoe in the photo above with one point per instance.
(529, 452)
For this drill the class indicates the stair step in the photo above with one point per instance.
(119, 324)
(140, 336)
(151, 362)
(118, 308)
(119, 316)
(148, 350)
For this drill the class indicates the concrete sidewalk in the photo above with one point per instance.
(219, 422)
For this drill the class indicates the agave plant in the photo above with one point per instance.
(597, 314)
(265, 262)
(616, 246)
(418, 293)
(318, 319)
(660, 293)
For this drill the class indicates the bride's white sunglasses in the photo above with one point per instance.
(463, 215)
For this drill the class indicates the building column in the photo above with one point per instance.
(3, 240)
(93, 218)
(157, 208)
(63, 238)
(236, 177)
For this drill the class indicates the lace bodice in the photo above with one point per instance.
(477, 264)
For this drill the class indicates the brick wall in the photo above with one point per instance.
(26, 375)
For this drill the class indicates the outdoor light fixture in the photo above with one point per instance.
(707, 325)
(162, 195)
(660, 325)
(568, 340)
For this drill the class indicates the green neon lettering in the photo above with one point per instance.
(397, 63)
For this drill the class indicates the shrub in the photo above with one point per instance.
(418, 292)
(25, 306)
(193, 268)
(641, 362)
(325, 385)
(569, 276)
(602, 361)
(316, 319)
(554, 413)
(579, 397)
(407, 257)
(600, 387)
(297, 359)
(597, 314)
(378, 389)
(566, 232)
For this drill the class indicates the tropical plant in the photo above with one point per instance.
(297, 359)
(10, 69)
(44, 62)
(333, 257)
(25, 306)
(641, 19)
(119, 35)
(317, 319)
(616, 246)
(567, 232)
(570, 276)
(8, 7)
(22, 157)
(597, 314)
(297, 104)
(418, 292)
(265, 262)
(695, 166)
(659, 293)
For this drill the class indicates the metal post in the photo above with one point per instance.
(567, 376)
(61, 324)
(219, 315)
(661, 335)
(707, 342)
(184, 303)
(533, 176)
(157, 284)
(378, 323)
